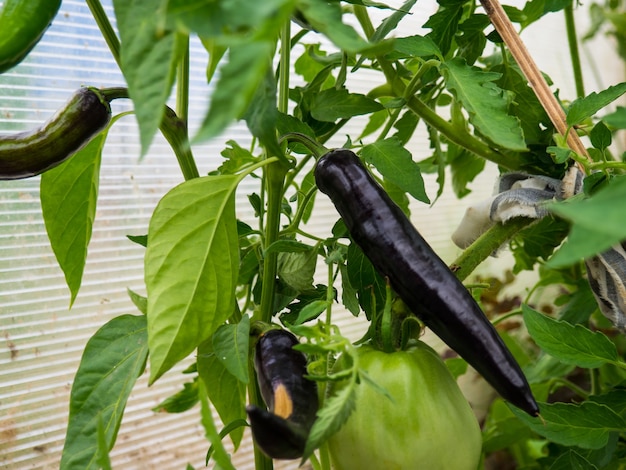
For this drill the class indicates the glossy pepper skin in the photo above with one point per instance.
(30, 153)
(22, 24)
(421, 279)
(282, 430)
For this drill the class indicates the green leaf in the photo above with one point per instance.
(230, 344)
(287, 246)
(297, 269)
(103, 460)
(68, 196)
(587, 425)
(221, 457)
(330, 417)
(348, 293)
(600, 136)
(262, 114)
(239, 80)
(616, 119)
(485, 103)
(444, 24)
(148, 59)
(311, 311)
(464, 166)
(226, 392)
(139, 301)
(191, 267)
(396, 164)
(325, 17)
(571, 460)
(414, 46)
(112, 360)
(571, 344)
(332, 104)
(598, 222)
(181, 401)
(585, 107)
(365, 279)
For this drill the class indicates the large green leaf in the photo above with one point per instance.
(444, 24)
(113, 359)
(485, 103)
(396, 164)
(191, 267)
(230, 342)
(148, 58)
(332, 104)
(68, 196)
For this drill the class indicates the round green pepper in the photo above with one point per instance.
(22, 23)
(426, 423)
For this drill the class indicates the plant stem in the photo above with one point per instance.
(102, 20)
(285, 56)
(572, 40)
(182, 82)
(486, 244)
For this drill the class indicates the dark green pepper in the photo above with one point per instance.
(421, 279)
(281, 431)
(32, 152)
(22, 24)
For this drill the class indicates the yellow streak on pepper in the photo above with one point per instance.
(283, 405)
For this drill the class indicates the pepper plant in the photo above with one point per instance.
(213, 281)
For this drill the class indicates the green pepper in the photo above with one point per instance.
(22, 24)
(32, 152)
(423, 421)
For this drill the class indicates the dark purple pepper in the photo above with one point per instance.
(421, 279)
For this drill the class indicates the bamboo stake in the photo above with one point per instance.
(511, 38)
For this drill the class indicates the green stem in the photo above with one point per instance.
(182, 82)
(285, 56)
(572, 40)
(102, 20)
(486, 244)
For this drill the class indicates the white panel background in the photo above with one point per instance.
(41, 340)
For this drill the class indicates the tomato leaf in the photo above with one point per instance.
(113, 359)
(485, 102)
(444, 24)
(587, 425)
(335, 412)
(332, 104)
(571, 460)
(227, 394)
(571, 344)
(230, 343)
(191, 266)
(396, 164)
(148, 59)
(68, 196)
(585, 107)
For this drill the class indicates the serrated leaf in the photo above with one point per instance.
(148, 58)
(238, 81)
(332, 104)
(396, 164)
(571, 460)
(485, 102)
(227, 394)
(585, 107)
(333, 414)
(112, 360)
(444, 24)
(587, 425)
(220, 455)
(191, 266)
(230, 344)
(69, 194)
(571, 344)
